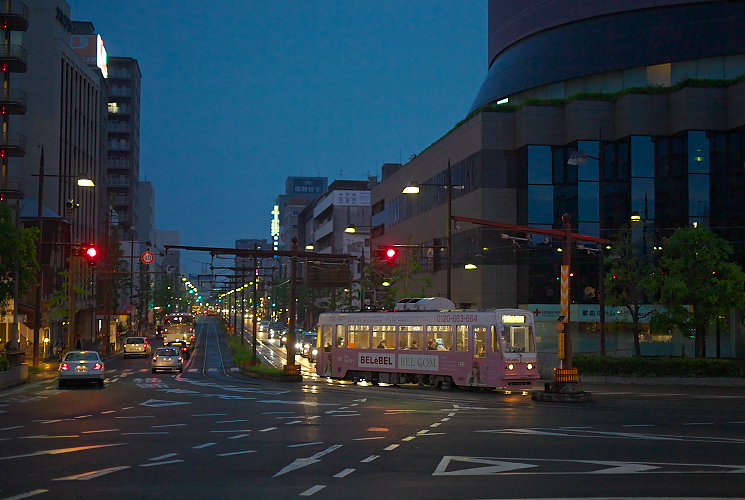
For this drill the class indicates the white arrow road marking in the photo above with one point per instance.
(62, 450)
(493, 466)
(623, 468)
(304, 462)
(506, 465)
(85, 476)
(160, 403)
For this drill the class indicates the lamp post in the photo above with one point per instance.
(413, 188)
(352, 229)
(83, 181)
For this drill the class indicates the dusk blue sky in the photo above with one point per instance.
(237, 95)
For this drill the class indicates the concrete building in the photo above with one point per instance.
(55, 77)
(652, 95)
(122, 161)
(299, 191)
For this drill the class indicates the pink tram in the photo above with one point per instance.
(427, 341)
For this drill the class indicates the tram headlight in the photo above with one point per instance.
(530, 366)
(510, 367)
(315, 352)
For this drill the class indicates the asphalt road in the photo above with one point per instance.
(210, 433)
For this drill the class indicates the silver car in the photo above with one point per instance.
(81, 366)
(167, 358)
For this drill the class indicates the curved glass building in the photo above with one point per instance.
(556, 48)
(602, 110)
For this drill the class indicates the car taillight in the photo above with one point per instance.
(155, 358)
(64, 367)
(179, 358)
(98, 366)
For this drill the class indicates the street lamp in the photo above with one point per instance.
(83, 181)
(413, 188)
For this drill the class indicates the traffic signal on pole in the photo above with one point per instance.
(91, 254)
(390, 255)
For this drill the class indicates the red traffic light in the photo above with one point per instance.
(389, 254)
(91, 254)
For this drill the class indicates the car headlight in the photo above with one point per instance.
(298, 346)
(510, 367)
(315, 352)
(530, 366)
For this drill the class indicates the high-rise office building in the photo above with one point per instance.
(122, 160)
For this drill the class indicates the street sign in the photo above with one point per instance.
(147, 257)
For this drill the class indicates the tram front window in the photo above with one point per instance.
(518, 339)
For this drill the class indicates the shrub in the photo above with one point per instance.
(658, 367)
(4, 363)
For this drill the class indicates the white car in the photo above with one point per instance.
(137, 346)
(81, 366)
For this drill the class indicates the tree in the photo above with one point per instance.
(629, 282)
(17, 253)
(699, 283)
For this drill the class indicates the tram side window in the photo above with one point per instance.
(479, 341)
(326, 337)
(439, 338)
(461, 338)
(358, 336)
(518, 339)
(340, 342)
(384, 337)
(411, 337)
(495, 345)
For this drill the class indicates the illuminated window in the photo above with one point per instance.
(461, 338)
(440, 337)
(384, 337)
(479, 341)
(411, 337)
(358, 336)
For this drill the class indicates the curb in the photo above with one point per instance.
(274, 378)
(680, 381)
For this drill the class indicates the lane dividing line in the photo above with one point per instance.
(144, 433)
(368, 438)
(408, 438)
(235, 453)
(86, 476)
(162, 457)
(205, 445)
(239, 436)
(344, 473)
(100, 430)
(19, 426)
(293, 422)
(436, 424)
(303, 444)
(31, 494)
(699, 423)
(166, 425)
(369, 459)
(638, 425)
(268, 429)
(391, 447)
(309, 491)
(451, 414)
(161, 463)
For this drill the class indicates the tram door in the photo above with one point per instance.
(478, 349)
(326, 339)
